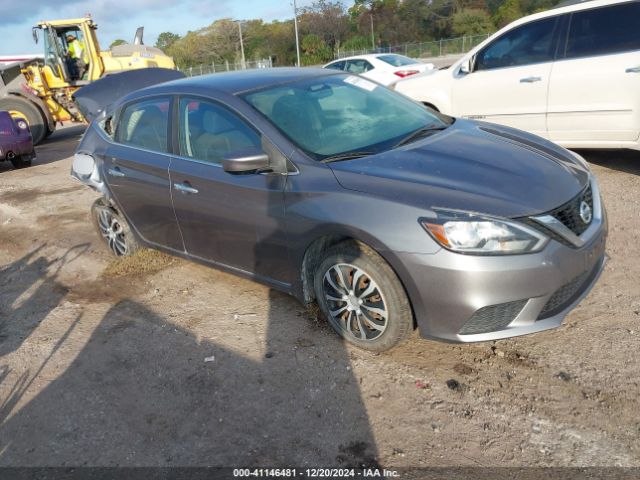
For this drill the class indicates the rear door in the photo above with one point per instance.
(510, 78)
(136, 167)
(236, 220)
(594, 92)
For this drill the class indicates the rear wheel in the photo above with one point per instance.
(113, 229)
(19, 161)
(362, 297)
(22, 108)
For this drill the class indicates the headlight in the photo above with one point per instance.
(475, 234)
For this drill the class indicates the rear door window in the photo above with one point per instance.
(358, 66)
(524, 45)
(606, 30)
(144, 124)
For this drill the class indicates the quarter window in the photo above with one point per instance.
(524, 45)
(209, 132)
(606, 30)
(144, 124)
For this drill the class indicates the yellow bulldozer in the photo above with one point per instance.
(41, 91)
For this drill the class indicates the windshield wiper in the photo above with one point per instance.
(345, 156)
(421, 132)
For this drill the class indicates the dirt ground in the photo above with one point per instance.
(162, 362)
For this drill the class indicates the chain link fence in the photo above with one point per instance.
(436, 48)
(226, 67)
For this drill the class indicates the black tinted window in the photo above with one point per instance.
(144, 124)
(209, 132)
(604, 30)
(524, 45)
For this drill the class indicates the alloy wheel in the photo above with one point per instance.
(355, 302)
(113, 232)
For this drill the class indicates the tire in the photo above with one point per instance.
(19, 162)
(374, 315)
(30, 112)
(113, 229)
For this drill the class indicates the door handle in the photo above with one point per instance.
(184, 188)
(116, 172)
(633, 70)
(530, 79)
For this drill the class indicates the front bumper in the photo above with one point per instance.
(465, 298)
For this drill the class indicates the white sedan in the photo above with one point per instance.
(384, 68)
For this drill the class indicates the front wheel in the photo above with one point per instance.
(113, 229)
(362, 297)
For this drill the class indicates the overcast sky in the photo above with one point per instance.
(120, 18)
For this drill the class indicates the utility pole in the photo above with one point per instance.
(373, 40)
(295, 22)
(244, 63)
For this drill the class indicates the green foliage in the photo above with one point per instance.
(472, 21)
(327, 26)
(315, 50)
(357, 42)
(117, 42)
(509, 11)
(166, 39)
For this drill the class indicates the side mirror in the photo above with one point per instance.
(465, 68)
(246, 161)
(34, 32)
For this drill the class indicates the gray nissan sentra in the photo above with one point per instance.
(335, 189)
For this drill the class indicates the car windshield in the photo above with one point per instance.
(334, 115)
(397, 60)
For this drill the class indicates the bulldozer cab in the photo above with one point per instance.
(71, 50)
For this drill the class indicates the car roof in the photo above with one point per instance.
(565, 7)
(234, 82)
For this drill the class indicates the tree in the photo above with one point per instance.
(327, 20)
(166, 39)
(472, 21)
(117, 42)
(507, 13)
(315, 50)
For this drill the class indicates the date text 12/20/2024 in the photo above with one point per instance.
(314, 473)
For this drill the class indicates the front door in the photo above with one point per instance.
(594, 93)
(137, 170)
(509, 80)
(236, 220)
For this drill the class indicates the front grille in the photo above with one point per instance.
(569, 213)
(492, 318)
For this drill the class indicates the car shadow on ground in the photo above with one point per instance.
(627, 161)
(139, 393)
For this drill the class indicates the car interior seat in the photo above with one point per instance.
(221, 135)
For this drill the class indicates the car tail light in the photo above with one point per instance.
(406, 73)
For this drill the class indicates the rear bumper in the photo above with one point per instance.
(464, 298)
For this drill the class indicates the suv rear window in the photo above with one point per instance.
(606, 30)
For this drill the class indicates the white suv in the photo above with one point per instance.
(571, 74)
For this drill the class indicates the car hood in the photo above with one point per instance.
(96, 97)
(471, 166)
